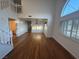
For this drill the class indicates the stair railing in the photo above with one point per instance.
(5, 37)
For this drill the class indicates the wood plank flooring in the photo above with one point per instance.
(18, 40)
(37, 46)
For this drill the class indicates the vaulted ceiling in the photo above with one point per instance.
(38, 8)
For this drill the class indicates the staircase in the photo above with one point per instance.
(6, 44)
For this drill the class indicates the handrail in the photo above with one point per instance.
(4, 31)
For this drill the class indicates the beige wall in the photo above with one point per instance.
(12, 25)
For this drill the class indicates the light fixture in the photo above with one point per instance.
(29, 16)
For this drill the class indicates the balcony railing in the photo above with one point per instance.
(10, 4)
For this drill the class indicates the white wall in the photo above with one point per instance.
(4, 26)
(70, 45)
(21, 27)
(37, 8)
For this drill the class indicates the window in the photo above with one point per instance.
(70, 28)
(74, 28)
(37, 28)
(70, 7)
(77, 36)
(45, 28)
(67, 25)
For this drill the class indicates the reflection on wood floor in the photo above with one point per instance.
(37, 46)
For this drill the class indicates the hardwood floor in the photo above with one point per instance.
(18, 40)
(37, 46)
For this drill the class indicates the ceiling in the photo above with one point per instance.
(38, 8)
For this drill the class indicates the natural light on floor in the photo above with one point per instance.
(37, 37)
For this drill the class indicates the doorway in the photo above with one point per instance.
(29, 26)
(12, 25)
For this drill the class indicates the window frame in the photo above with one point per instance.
(71, 31)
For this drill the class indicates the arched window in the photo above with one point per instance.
(70, 7)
